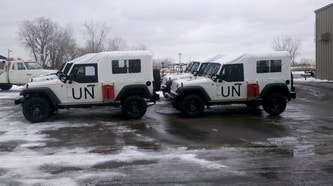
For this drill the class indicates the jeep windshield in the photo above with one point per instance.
(211, 69)
(193, 66)
(202, 69)
(64, 71)
(32, 65)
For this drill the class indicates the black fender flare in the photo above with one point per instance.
(182, 91)
(43, 92)
(276, 87)
(139, 89)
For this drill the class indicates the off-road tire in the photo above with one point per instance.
(192, 106)
(5, 86)
(253, 104)
(36, 109)
(134, 107)
(275, 104)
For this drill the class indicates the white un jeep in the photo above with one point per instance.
(251, 79)
(123, 78)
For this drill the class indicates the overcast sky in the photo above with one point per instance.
(196, 28)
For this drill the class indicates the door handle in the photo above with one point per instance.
(90, 85)
(238, 84)
(29, 74)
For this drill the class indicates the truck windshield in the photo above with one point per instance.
(32, 65)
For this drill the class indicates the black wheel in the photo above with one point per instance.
(134, 107)
(192, 106)
(253, 104)
(275, 104)
(36, 109)
(5, 86)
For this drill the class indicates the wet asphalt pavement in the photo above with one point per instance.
(229, 145)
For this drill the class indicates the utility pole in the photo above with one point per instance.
(180, 61)
(9, 51)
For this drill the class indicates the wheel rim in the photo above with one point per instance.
(135, 107)
(36, 110)
(276, 104)
(192, 105)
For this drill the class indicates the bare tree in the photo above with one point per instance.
(140, 47)
(289, 44)
(37, 35)
(62, 49)
(117, 43)
(157, 63)
(96, 33)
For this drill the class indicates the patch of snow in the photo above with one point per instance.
(311, 79)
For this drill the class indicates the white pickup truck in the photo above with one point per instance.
(19, 73)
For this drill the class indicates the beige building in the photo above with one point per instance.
(324, 42)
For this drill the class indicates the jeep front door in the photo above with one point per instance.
(231, 85)
(83, 86)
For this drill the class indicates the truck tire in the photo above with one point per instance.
(192, 106)
(5, 86)
(36, 109)
(275, 104)
(134, 107)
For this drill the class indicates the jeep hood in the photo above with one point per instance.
(45, 83)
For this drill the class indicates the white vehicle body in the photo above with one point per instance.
(234, 81)
(105, 78)
(20, 72)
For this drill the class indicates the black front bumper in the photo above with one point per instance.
(19, 101)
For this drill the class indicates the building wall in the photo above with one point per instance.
(324, 49)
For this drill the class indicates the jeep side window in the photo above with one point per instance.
(275, 66)
(233, 72)
(134, 66)
(86, 73)
(263, 66)
(119, 67)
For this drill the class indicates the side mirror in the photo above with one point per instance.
(214, 77)
(195, 73)
(71, 78)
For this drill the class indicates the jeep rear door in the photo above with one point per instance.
(232, 87)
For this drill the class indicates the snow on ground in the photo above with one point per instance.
(13, 93)
(26, 162)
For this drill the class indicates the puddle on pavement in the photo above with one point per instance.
(117, 164)
(53, 169)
